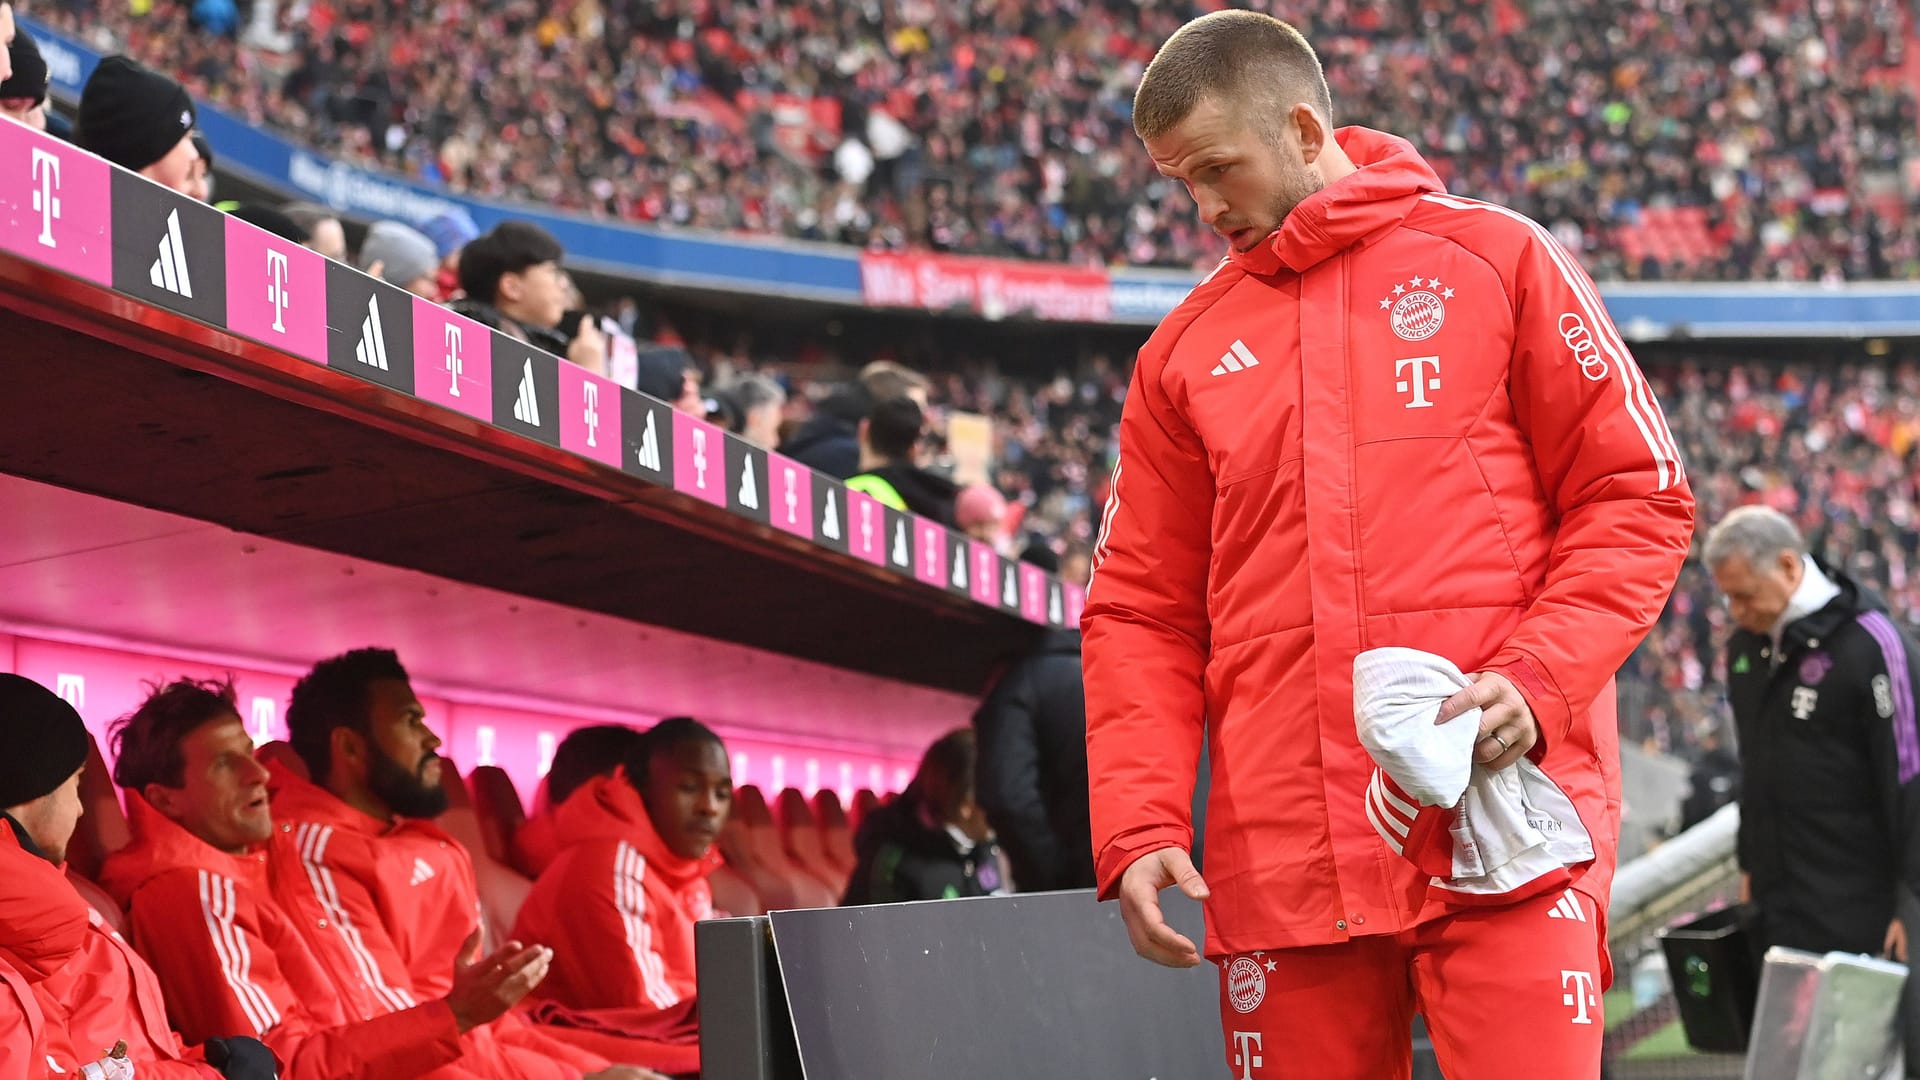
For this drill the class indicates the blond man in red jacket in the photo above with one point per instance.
(194, 880)
(1391, 417)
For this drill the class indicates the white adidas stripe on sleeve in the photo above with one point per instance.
(629, 875)
(1639, 400)
(230, 946)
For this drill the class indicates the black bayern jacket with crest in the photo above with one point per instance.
(1830, 798)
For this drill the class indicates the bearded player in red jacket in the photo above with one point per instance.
(1390, 417)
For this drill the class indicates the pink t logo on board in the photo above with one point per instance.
(452, 360)
(55, 206)
(986, 573)
(791, 508)
(930, 552)
(1076, 603)
(589, 415)
(1033, 593)
(866, 527)
(699, 459)
(276, 291)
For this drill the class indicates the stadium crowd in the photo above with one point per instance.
(1775, 130)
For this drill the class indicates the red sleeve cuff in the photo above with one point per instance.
(1126, 849)
(1549, 706)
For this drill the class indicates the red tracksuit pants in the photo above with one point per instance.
(1508, 993)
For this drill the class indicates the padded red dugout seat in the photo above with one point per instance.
(499, 808)
(751, 845)
(836, 833)
(801, 838)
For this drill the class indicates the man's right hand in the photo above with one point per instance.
(1746, 888)
(486, 988)
(1140, 905)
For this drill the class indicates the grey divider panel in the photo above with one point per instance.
(745, 1033)
(1014, 986)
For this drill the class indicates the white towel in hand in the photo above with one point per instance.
(1478, 833)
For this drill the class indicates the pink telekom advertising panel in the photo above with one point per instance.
(792, 483)
(54, 204)
(699, 459)
(1033, 593)
(1076, 603)
(452, 360)
(986, 573)
(106, 684)
(866, 527)
(276, 291)
(589, 415)
(930, 552)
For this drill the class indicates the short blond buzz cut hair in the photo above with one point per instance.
(1231, 56)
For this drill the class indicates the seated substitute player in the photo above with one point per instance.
(230, 959)
(387, 901)
(620, 900)
(104, 995)
(586, 753)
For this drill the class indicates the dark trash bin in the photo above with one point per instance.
(1714, 963)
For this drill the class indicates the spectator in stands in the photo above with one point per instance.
(513, 283)
(324, 232)
(23, 94)
(1032, 735)
(402, 255)
(980, 511)
(194, 880)
(620, 901)
(7, 31)
(586, 753)
(450, 230)
(1823, 688)
(386, 900)
(889, 440)
(761, 402)
(830, 441)
(200, 176)
(668, 373)
(272, 219)
(104, 994)
(932, 842)
(138, 119)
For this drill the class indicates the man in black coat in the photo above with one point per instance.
(1033, 767)
(1822, 685)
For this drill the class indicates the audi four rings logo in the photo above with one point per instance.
(1573, 331)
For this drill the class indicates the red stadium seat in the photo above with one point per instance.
(281, 752)
(836, 834)
(801, 839)
(97, 898)
(733, 894)
(751, 844)
(499, 808)
(502, 889)
(864, 803)
(103, 828)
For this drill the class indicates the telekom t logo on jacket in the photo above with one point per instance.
(1418, 382)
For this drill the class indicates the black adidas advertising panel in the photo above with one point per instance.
(169, 250)
(526, 390)
(369, 328)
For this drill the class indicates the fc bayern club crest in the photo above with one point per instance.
(1417, 308)
(1246, 983)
